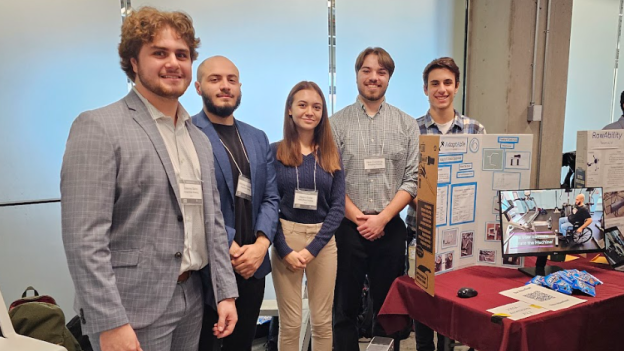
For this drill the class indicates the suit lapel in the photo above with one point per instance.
(220, 155)
(251, 152)
(144, 119)
(202, 147)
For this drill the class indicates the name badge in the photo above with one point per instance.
(191, 192)
(305, 199)
(374, 165)
(243, 189)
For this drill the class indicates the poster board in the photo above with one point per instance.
(600, 163)
(457, 215)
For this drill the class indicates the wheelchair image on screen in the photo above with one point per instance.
(573, 236)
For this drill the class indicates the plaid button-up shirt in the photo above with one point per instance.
(461, 125)
(392, 135)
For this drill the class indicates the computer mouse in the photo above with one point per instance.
(465, 293)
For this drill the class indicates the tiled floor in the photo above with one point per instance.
(408, 344)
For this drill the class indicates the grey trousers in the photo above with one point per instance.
(179, 327)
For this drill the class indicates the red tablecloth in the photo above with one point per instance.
(593, 325)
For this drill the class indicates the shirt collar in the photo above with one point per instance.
(361, 104)
(456, 121)
(156, 114)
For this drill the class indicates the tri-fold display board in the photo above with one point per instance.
(600, 163)
(457, 214)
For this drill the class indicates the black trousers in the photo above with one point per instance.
(424, 338)
(250, 296)
(383, 260)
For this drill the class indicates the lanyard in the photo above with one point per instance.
(297, 171)
(230, 152)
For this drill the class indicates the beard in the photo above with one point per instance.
(371, 96)
(221, 111)
(161, 90)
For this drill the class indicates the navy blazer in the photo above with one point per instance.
(264, 193)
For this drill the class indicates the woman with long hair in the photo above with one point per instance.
(311, 184)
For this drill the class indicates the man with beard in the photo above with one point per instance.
(139, 202)
(249, 198)
(379, 147)
(580, 216)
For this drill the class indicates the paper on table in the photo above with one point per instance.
(599, 259)
(518, 310)
(540, 296)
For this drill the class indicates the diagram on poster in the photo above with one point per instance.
(517, 160)
(506, 180)
(493, 159)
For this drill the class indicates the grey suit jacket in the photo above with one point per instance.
(619, 124)
(121, 218)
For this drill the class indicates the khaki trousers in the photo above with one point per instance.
(321, 275)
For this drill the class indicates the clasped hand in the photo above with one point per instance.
(298, 259)
(247, 259)
(371, 227)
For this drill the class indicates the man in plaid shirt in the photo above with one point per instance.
(441, 82)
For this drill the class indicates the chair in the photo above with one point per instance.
(11, 341)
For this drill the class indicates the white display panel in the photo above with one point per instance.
(59, 58)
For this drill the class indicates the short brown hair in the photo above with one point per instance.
(140, 28)
(385, 60)
(289, 149)
(442, 62)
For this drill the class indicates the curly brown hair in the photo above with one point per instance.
(142, 25)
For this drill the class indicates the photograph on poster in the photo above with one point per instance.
(449, 238)
(492, 231)
(613, 202)
(614, 246)
(512, 261)
(467, 244)
(444, 261)
(487, 256)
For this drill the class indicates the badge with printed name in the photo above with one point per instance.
(191, 192)
(374, 165)
(243, 189)
(305, 199)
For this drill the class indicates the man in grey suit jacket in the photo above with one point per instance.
(140, 208)
(249, 198)
(619, 124)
